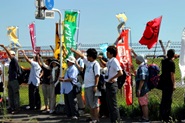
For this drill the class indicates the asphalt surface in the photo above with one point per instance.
(34, 116)
(27, 116)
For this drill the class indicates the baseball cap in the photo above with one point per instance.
(140, 58)
(12, 52)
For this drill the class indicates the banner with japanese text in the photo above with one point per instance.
(33, 36)
(70, 26)
(125, 60)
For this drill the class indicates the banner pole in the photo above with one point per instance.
(61, 59)
(78, 26)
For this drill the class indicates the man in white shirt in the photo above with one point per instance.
(91, 78)
(113, 72)
(34, 82)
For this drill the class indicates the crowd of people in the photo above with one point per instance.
(94, 65)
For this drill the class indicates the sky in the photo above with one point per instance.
(97, 22)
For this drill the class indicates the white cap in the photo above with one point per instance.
(55, 61)
(140, 58)
(71, 59)
(12, 52)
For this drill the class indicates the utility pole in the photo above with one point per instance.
(40, 14)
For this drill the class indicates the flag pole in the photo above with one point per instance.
(78, 26)
(61, 59)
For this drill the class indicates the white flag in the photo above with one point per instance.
(182, 57)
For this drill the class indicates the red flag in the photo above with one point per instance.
(32, 36)
(150, 35)
(125, 60)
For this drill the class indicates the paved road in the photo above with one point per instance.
(26, 116)
(38, 117)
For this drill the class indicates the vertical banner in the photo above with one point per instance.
(12, 33)
(33, 36)
(103, 48)
(57, 48)
(125, 60)
(182, 57)
(57, 43)
(70, 25)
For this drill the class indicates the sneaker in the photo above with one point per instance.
(28, 107)
(88, 119)
(143, 120)
(15, 112)
(94, 121)
(74, 118)
(81, 112)
(45, 111)
(51, 111)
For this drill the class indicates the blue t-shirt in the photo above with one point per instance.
(142, 74)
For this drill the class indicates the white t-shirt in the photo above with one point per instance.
(89, 78)
(113, 67)
(34, 73)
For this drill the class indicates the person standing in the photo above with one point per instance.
(80, 66)
(91, 80)
(168, 85)
(68, 81)
(13, 84)
(54, 86)
(104, 112)
(141, 79)
(34, 82)
(45, 82)
(114, 70)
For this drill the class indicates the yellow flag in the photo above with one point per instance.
(12, 34)
(57, 49)
(121, 17)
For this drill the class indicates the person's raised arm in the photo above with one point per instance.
(43, 64)
(7, 51)
(101, 60)
(25, 56)
(78, 53)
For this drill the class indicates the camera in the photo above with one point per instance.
(106, 77)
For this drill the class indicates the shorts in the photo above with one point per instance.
(143, 100)
(90, 98)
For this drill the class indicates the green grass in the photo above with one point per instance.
(133, 111)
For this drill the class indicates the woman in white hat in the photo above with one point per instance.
(68, 81)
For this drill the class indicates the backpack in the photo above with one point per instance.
(23, 75)
(121, 80)
(101, 81)
(82, 73)
(60, 109)
(154, 76)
